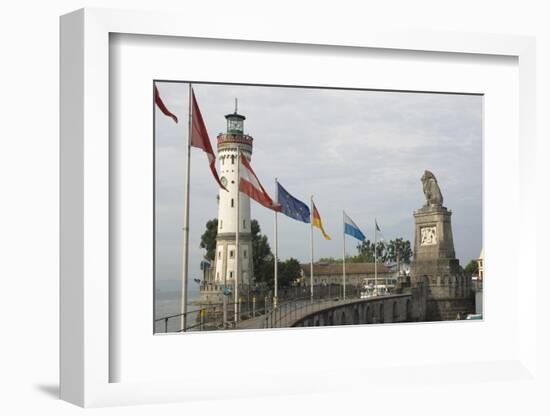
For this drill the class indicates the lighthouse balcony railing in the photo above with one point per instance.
(235, 138)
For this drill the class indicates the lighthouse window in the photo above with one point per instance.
(244, 224)
(244, 254)
(232, 159)
(221, 224)
(219, 254)
(235, 125)
(232, 202)
(230, 275)
(231, 254)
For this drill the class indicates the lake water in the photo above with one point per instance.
(168, 302)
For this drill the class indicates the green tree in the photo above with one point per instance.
(381, 252)
(399, 251)
(329, 260)
(354, 259)
(261, 251)
(261, 254)
(471, 268)
(208, 239)
(395, 250)
(265, 273)
(366, 252)
(288, 272)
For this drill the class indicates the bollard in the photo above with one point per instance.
(253, 306)
(166, 325)
(239, 308)
(202, 313)
(224, 311)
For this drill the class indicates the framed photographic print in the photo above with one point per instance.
(318, 215)
(287, 277)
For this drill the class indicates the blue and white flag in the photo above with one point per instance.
(350, 228)
(292, 207)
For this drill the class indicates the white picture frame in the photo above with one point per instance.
(86, 332)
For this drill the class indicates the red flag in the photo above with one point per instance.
(162, 107)
(200, 139)
(251, 186)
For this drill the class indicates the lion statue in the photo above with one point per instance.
(431, 190)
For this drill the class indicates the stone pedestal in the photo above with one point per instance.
(435, 268)
(433, 234)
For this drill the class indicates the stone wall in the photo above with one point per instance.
(435, 271)
(386, 309)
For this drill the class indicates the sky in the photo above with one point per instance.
(359, 151)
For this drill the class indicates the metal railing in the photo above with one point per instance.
(212, 316)
(287, 313)
(293, 301)
(171, 318)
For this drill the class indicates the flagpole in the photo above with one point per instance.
(375, 268)
(311, 245)
(185, 246)
(237, 231)
(344, 254)
(275, 299)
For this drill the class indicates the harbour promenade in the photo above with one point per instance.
(317, 312)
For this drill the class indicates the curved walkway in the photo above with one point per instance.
(289, 313)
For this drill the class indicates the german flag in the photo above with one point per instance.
(317, 221)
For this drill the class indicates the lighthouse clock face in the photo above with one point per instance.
(224, 180)
(428, 236)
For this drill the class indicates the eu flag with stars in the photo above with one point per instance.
(292, 207)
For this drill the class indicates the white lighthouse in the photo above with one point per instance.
(223, 273)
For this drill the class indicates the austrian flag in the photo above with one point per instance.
(200, 139)
(251, 186)
(160, 104)
(198, 134)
